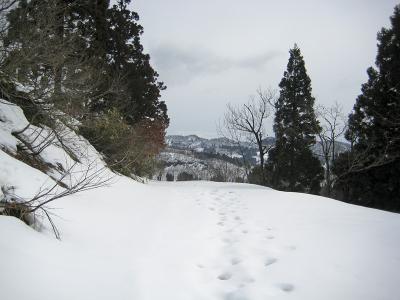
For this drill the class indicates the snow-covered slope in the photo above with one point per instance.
(201, 240)
(193, 240)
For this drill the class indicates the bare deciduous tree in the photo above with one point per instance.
(246, 124)
(333, 125)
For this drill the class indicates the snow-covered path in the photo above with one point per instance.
(203, 240)
(247, 249)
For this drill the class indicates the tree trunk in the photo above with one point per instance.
(261, 151)
(328, 176)
(59, 29)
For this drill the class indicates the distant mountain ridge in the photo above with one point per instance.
(203, 157)
(225, 146)
(221, 145)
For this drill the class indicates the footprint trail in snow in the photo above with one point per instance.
(245, 249)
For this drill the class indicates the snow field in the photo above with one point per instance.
(202, 240)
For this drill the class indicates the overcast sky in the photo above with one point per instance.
(212, 52)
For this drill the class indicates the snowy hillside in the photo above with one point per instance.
(200, 165)
(200, 156)
(221, 146)
(193, 240)
(224, 146)
(38, 164)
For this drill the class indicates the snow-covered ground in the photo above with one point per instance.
(186, 241)
(202, 240)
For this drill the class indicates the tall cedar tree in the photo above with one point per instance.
(369, 175)
(141, 98)
(291, 164)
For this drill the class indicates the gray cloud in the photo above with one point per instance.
(179, 65)
(212, 52)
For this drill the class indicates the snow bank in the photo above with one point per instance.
(11, 119)
(65, 158)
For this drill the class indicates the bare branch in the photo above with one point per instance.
(246, 123)
(333, 125)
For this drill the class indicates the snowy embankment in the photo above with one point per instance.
(196, 240)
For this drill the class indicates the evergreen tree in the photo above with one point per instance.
(138, 89)
(370, 172)
(291, 163)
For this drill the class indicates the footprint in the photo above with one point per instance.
(270, 261)
(225, 276)
(200, 266)
(211, 208)
(235, 261)
(221, 224)
(229, 241)
(249, 280)
(270, 237)
(291, 248)
(245, 231)
(237, 218)
(286, 287)
(236, 295)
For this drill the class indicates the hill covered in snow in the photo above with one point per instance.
(209, 158)
(192, 240)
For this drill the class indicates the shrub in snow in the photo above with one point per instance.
(126, 149)
(184, 176)
(169, 177)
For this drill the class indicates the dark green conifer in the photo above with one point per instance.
(291, 164)
(369, 174)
